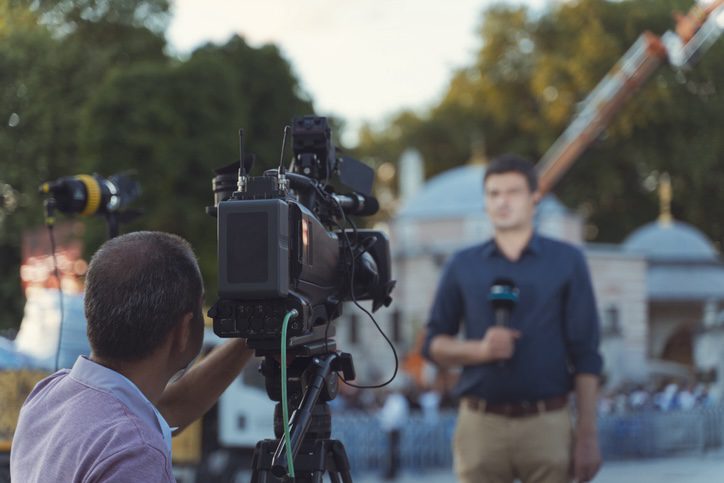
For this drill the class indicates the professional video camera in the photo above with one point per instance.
(282, 245)
(284, 249)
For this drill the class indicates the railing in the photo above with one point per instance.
(658, 434)
(635, 435)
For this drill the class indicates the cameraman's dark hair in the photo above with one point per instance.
(512, 163)
(138, 287)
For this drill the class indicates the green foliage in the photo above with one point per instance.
(85, 86)
(46, 78)
(524, 86)
(23, 162)
(173, 124)
(15, 16)
(63, 16)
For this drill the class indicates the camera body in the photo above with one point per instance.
(282, 246)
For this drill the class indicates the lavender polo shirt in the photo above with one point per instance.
(90, 424)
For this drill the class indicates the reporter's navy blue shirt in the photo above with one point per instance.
(556, 315)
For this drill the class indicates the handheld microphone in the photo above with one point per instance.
(503, 296)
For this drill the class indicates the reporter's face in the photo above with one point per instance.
(509, 203)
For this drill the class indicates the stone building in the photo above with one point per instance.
(446, 214)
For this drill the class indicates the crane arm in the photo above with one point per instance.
(695, 33)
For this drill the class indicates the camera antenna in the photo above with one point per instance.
(287, 128)
(242, 169)
(281, 171)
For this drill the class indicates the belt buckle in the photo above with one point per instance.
(477, 405)
(526, 408)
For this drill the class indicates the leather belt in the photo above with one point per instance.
(516, 410)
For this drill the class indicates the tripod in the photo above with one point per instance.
(312, 381)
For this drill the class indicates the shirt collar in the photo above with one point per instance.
(119, 386)
(490, 248)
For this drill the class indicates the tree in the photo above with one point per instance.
(20, 122)
(64, 16)
(52, 58)
(524, 87)
(174, 123)
(85, 86)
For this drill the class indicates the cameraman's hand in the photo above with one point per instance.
(187, 399)
(498, 344)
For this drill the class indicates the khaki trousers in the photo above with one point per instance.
(488, 448)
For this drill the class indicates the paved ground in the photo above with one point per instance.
(707, 468)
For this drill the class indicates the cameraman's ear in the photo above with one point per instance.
(182, 333)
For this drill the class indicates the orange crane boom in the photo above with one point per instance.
(695, 33)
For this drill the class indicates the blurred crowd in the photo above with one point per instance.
(429, 401)
(427, 389)
(664, 397)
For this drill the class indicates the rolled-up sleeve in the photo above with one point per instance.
(581, 324)
(447, 308)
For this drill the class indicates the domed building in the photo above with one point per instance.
(658, 293)
(444, 215)
(684, 285)
(447, 213)
(450, 208)
(684, 275)
(667, 240)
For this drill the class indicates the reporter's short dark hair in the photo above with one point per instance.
(512, 163)
(138, 287)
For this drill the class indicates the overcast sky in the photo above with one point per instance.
(358, 59)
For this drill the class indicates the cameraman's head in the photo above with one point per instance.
(143, 301)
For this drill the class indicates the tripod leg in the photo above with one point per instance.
(260, 476)
(261, 462)
(334, 477)
(341, 462)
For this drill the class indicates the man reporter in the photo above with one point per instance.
(514, 421)
(110, 418)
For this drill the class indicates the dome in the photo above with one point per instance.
(670, 241)
(458, 192)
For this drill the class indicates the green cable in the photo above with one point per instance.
(285, 409)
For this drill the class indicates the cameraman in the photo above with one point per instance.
(110, 417)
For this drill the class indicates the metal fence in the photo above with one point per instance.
(426, 444)
(658, 434)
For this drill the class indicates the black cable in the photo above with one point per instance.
(60, 294)
(379, 329)
(330, 199)
(354, 300)
(326, 196)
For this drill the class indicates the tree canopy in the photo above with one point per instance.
(86, 86)
(522, 89)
